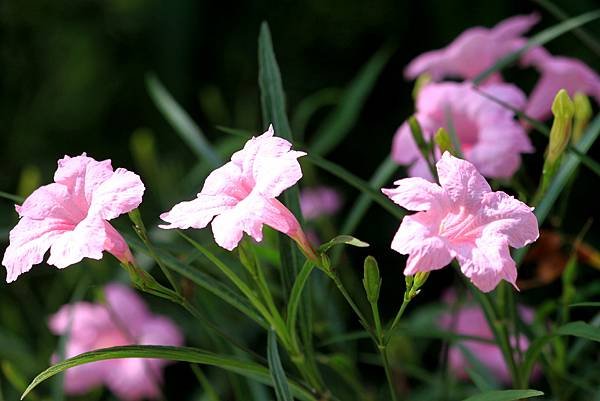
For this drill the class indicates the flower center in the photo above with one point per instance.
(459, 226)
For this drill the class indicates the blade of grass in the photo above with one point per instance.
(357, 183)
(11, 197)
(505, 395)
(182, 354)
(539, 39)
(581, 33)
(280, 383)
(183, 124)
(339, 123)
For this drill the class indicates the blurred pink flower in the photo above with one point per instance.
(489, 135)
(470, 321)
(241, 195)
(557, 73)
(70, 216)
(462, 219)
(319, 201)
(473, 51)
(124, 319)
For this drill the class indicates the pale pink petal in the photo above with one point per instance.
(83, 320)
(461, 181)
(427, 251)
(515, 26)
(404, 148)
(421, 169)
(488, 263)
(52, 200)
(82, 175)
(319, 201)
(249, 216)
(134, 379)
(540, 99)
(197, 213)
(29, 241)
(510, 218)
(119, 194)
(126, 308)
(416, 194)
(86, 240)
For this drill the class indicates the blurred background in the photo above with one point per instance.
(73, 79)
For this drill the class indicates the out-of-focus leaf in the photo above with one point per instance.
(565, 172)
(182, 354)
(357, 183)
(505, 395)
(539, 39)
(575, 329)
(338, 124)
(11, 197)
(280, 383)
(585, 305)
(183, 124)
(309, 105)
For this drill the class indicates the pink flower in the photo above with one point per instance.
(70, 216)
(241, 195)
(319, 201)
(123, 320)
(558, 73)
(462, 219)
(475, 50)
(489, 135)
(470, 321)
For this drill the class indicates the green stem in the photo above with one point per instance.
(388, 371)
(392, 328)
(361, 318)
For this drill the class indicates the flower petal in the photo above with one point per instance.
(121, 193)
(416, 194)
(85, 241)
(29, 241)
(197, 213)
(488, 262)
(461, 181)
(510, 218)
(126, 309)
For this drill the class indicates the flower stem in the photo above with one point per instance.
(388, 371)
(392, 328)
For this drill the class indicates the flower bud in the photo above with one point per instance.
(417, 133)
(421, 81)
(444, 142)
(583, 115)
(371, 280)
(563, 109)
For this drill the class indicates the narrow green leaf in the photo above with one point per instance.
(272, 99)
(343, 240)
(282, 389)
(183, 124)
(357, 183)
(505, 395)
(296, 295)
(568, 167)
(585, 305)
(382, 175)
(308, 106)
(203, 280)
(248, 369)
(339, 123)
(11, 197)
(575, 329)
(581, 33)
(209, 390)
(539, 39)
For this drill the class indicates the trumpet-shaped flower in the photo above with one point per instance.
(475, 50)
(123, 319)
(488, 133)
(461, 219)
(70, 216)
(469, 320)
(558, 73)
(319, 201)
(241, 195)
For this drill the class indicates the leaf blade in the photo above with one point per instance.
(282, 389)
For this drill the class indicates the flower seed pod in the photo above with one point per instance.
(371, 279)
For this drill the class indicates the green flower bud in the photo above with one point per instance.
(563, 109)
(583, 115)
(421, 81)
(420, 279)
(444, 142)
(417, 133)
(371, 279)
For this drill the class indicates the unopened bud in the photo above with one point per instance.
(417, 133)
(444, 142)
(420, 83)
(371, 279)
(420, 279)
(583, 115)
(560, 134)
